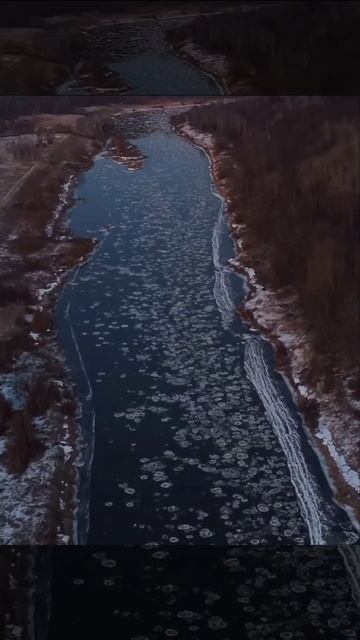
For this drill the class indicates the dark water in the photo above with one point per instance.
(141, 56)
(277, 593)
(184, 452)
(282, 593)
(150, 67)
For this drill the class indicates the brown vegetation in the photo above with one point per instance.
(32, 257)
(37, 61)
(23, 445)
(294, 169)
(282, 47)
(289, 169)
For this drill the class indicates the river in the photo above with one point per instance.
(192, 437)
(301, 591)
(140, 54)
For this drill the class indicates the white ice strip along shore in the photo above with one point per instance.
(213, 65)
(339, 436)
(221, 292)
(287, 433)
(63, 199)
(337, 429)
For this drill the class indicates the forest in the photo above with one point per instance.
(25, 13)
(290, 47)
(13, 107)
(293, 166)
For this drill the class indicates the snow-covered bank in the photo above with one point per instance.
(41, 442)
(211, 64)
(214, 65)
(334, 434)
(38, 485)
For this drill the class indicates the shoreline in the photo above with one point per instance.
(60, 441)
(121, 151)
(251, 311)
(207, 63)
(63, 60)
(197, 62)
(213, 64)
(54, 426)
(41, 439)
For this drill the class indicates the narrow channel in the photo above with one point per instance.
(192, 437)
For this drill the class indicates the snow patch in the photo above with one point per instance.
(324, 434)
(63, 197)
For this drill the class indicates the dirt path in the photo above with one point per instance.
(17, 185)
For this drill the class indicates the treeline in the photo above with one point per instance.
(293, 167)
(288, 47)
(16, 13)
(12, 107)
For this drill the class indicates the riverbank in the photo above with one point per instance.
(42, 157)
(328, 417)
(213, 64)
(70, 53)
(40, 436)
(259, 48)
(54, 56)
